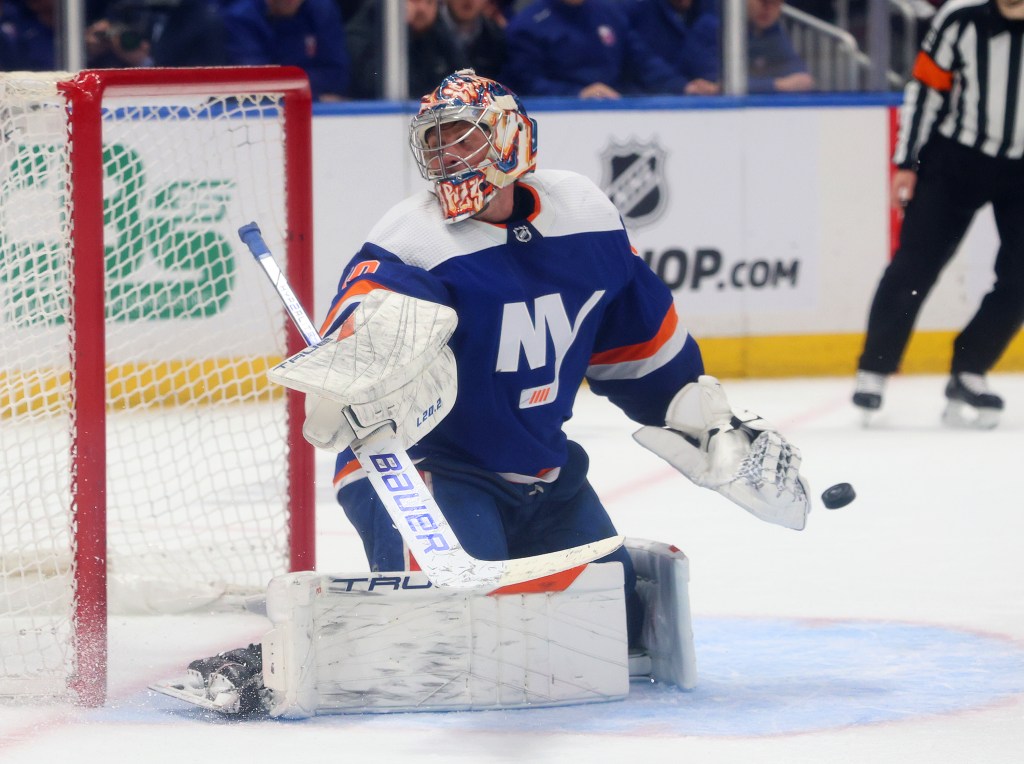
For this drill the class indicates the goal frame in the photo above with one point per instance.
(84, 95)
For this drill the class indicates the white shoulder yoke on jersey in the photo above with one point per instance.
(569, 204)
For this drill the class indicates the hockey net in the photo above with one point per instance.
(146, 464)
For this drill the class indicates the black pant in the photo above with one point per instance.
(954, 182)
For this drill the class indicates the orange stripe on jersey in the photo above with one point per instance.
(931, 74)
(556, 582)
(362, 287)
(643, 349)
(347, 470)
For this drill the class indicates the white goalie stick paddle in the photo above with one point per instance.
(400, 488)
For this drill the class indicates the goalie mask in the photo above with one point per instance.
(471, 137)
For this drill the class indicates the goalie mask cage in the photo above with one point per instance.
(146, 463)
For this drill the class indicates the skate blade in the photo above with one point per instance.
(868, 417)
(960, 415)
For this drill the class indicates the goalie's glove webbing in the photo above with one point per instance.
(739, 455)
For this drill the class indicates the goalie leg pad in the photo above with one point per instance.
(386, 642)
(663, 576)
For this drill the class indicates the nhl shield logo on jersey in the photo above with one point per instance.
(634, 180)
(522, 233)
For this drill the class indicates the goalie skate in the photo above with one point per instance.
(970, 404)
(228, 683)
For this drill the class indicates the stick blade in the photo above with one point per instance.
(457, 570)
(529, 568)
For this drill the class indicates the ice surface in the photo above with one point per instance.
(889, 630)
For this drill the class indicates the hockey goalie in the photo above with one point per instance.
(452, 354)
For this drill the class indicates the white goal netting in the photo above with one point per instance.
(197, 497)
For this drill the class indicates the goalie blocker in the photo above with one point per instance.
(389, 642)
(390, 365)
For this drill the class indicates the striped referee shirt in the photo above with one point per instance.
(967, 84)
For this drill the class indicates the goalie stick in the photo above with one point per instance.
(397, 483)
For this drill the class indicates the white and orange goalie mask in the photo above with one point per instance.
(471, 137)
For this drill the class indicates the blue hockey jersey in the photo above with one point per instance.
(543, 302)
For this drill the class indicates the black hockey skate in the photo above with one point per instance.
(867, 394)
(230, 683)
(970, 403)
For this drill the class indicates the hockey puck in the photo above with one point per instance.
(838, 496)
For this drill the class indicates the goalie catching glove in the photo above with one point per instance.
(389, 365)
(739, 455)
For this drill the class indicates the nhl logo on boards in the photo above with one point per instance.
(634, 180)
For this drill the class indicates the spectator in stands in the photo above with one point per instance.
(773, 66)
(820, 9)
(683, 33)
(28, 36)
(9, 27)
(500, 11)
(481, 40)
(582, 48)
(157, 33)
(304, 33)
(433, 53)
(349, 8)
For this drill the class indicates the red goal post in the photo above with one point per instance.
(147, 463)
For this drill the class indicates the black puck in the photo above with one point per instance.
(838, 496)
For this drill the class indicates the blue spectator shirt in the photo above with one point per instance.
(8, 39)
(27, 43)
(313, 39)
(556, 49)
(689, 43)
(771, 55)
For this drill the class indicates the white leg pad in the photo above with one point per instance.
(663, 576)
(385, 642)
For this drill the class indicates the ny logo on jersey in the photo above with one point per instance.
(520, 330)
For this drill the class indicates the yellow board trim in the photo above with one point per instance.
(833, 355)
(167, 383)
(136, 385)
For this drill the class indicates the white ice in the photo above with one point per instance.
(889, 630)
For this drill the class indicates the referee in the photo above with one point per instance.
(960, 146)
